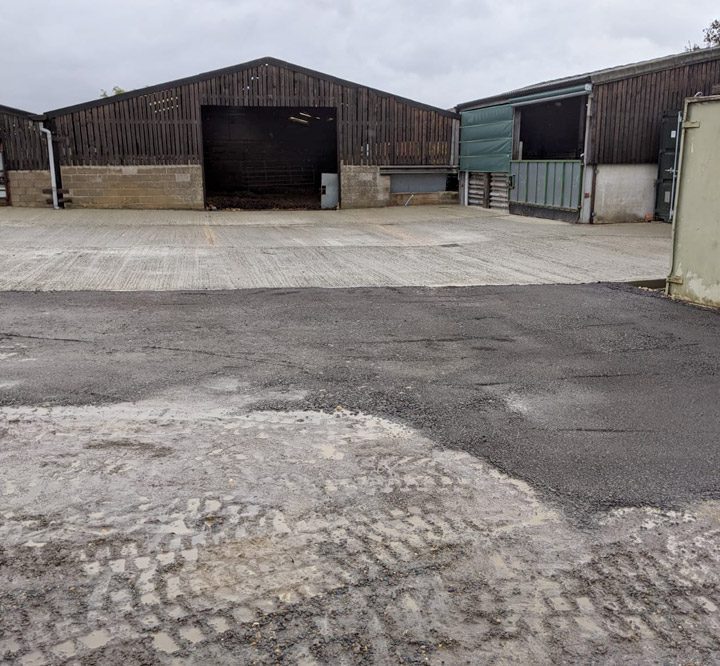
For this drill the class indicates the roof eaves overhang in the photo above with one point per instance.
(18, 112)
(539, 93)
(600, 76)
(656, 65)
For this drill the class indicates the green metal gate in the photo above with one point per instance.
(669, 130)
(547, 183)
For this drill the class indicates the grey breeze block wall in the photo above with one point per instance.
(26, 188)
(363, 187)
(424, 199)
(175, 186)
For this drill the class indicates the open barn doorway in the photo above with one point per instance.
(267, 157)
(546, 172)
(553, 130)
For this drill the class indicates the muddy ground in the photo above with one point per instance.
(471, 475)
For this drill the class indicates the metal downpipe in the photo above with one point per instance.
(51, 160)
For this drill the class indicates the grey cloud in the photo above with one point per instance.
(438, 52)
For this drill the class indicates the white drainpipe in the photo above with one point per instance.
(51, 160)
(588, 176)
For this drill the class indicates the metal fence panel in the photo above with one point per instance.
(547, 183)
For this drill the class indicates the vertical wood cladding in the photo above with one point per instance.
(163, 124)
(628, 112)
(23, 144)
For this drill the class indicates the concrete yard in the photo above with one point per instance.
(522, 474)
(431, 246)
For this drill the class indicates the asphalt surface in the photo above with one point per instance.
(599, 396)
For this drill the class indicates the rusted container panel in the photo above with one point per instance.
(695, 271)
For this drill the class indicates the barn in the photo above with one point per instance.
(24, 154)
(597, 147)
(263, 134)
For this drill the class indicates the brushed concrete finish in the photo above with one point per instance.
(432, 246)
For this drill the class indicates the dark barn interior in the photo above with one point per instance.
(267, 157)
(553, 130)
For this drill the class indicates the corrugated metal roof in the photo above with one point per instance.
(600, 76)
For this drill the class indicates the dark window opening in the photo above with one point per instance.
(267, 157)
(3, 186)
(552, 130)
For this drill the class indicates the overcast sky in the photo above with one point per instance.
(437, 51)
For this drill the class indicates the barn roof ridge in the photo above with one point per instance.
(203, 76)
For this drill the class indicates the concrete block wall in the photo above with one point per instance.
(363, 187)
(25, 188)
(424, 199)
(175, 187)
(624, 192)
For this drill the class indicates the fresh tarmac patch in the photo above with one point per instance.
(601, 396)
(319, 476)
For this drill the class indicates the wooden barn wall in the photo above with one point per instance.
(164, 127)
(627, 113)
(23, 143)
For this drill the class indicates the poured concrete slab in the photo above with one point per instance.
(430, 246)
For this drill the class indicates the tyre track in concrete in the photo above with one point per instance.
(185, 529)
(433, 246)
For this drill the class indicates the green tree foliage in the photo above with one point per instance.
(712, 34)
(711, 37)
(116, 90)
